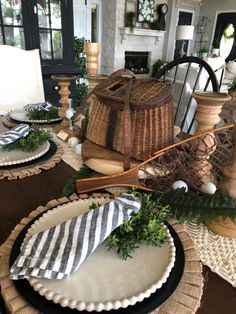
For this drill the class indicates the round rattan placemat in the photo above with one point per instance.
(25, 170)
(185, 299)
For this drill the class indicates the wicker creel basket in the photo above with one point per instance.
(132, 116)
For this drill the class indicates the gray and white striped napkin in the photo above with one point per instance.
(59, 251)
(45, 106)
(14, 134)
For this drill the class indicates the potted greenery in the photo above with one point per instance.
(216, 47)
(157, 65)
(129, 19)
(79, 44)
(204, 52)
(9, 15)
(232, 88)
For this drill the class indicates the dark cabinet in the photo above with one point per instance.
(46, 25)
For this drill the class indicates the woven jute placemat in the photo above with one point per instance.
(185, 299)
(28, 170)
(215, 251)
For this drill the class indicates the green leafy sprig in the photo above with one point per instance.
(35, 114)
(145, 227)
(82, 173)
(187, 206)
(31, 142)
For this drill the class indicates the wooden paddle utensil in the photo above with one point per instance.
(192, 160)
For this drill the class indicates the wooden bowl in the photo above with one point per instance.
(224, 228)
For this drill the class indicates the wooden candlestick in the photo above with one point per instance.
(209, 105)
(92, 51)
(64, 83)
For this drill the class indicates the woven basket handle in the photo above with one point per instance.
(127, 127)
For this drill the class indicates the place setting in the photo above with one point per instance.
(91, 277)
(26, 150)
(43, 113)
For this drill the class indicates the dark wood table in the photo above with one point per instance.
(19, 197)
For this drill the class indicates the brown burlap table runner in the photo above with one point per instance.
(185, 299)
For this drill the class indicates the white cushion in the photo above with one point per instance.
(21, 80)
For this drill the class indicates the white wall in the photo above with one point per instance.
(82, 21)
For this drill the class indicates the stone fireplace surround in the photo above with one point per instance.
(117, 39)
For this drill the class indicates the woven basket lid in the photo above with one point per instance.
(144, 92)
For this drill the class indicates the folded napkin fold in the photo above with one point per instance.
(59, 251)
(14, 134)
(45, 106)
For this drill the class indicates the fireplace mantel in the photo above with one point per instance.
(126, 31)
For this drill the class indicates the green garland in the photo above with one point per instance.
(187, 206)
(82, 173)
(35, 114)
(31, 142)
(145, 227)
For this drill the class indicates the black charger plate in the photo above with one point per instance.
(149, 304)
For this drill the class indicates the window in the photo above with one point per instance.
(11, 24)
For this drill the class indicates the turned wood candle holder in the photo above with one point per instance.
(92, 51)
(209, 105)
(64, 92)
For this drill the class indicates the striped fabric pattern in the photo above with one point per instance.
(60, 250)
(14, 134)
(45, 106)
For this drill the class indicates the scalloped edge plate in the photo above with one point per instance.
(18, 156)
(90, 272)
(20, 115)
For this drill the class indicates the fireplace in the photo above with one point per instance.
(137, 61)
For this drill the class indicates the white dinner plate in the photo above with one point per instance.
(17, 156)
(20, 115)
(104, 281)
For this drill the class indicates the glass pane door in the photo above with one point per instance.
(50, 29)
(11, 23)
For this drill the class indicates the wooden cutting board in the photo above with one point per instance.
(103, 160)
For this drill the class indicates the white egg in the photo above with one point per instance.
(208, 188)
(73, 141)
(78, 148)
(179, 184)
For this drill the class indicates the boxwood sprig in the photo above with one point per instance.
(145, 227)
(35, 114)
(31, 142)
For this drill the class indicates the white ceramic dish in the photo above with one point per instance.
(18, 156)
(20, 115)
(104, 281)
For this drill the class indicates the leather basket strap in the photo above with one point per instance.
(127, 128)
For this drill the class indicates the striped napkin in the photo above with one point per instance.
(14, 134)
(45, 106)
(60, 250)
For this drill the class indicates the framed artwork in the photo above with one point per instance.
(145, 10)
